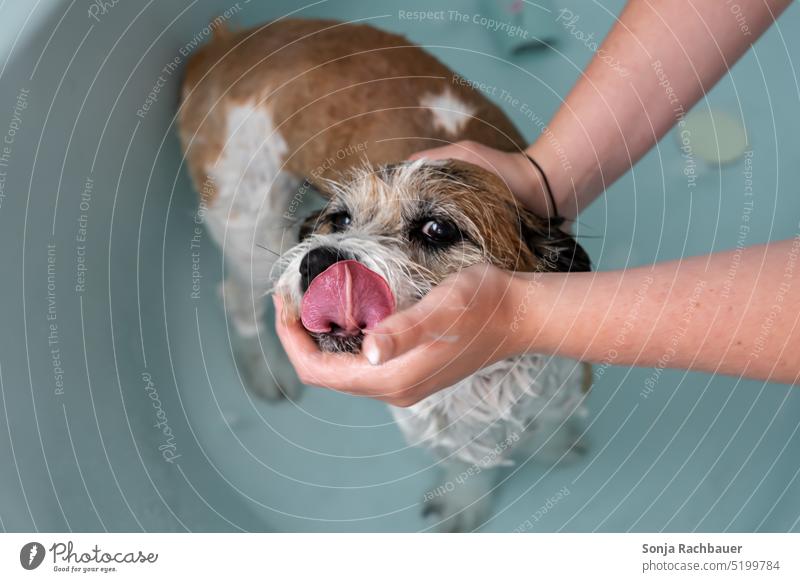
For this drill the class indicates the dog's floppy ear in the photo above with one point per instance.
(555, 250)
(308, 225)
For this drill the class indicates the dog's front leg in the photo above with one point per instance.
(251, 236)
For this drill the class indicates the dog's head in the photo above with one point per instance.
(387, 236)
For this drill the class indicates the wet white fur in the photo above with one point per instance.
(247, 214)
(450, 114)
(251, 189)
(526, 401)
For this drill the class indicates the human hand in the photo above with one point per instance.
(520, 175)
(464, 324)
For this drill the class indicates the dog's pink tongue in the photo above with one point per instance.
(346, 298)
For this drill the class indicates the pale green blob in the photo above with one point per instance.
(714, 136)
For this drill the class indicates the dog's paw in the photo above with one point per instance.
(274, 381)
(459, 504)
(563, 446)
(453, 513)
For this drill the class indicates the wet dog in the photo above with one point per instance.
(268, 112)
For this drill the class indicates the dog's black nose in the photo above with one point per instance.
(316, 261)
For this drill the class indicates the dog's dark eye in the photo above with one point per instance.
(440, 232)
(340, 221)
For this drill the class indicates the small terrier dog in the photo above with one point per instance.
(268, 112)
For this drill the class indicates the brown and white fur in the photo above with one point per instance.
(340, 106)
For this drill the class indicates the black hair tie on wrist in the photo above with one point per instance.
(546, 184)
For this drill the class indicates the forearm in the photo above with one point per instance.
(735, 313)
(654, 65)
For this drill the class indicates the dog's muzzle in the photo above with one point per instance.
(342, 298)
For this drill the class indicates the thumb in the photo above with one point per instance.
(429, 321)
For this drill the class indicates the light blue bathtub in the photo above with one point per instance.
(121, 408)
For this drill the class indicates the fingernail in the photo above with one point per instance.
(374, 349)
(373, 355)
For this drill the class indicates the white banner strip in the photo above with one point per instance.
(401, 557)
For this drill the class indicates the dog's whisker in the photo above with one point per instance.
(268, 249)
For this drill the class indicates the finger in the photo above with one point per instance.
(431, 321)
(298, 344)
(303, 352)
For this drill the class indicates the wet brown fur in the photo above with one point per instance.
(328, 85)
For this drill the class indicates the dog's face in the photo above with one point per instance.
(388, 236)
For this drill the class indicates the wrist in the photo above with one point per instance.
(558, 171)
(535, 325)
(524, 312)
(528, 185)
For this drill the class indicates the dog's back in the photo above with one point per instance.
(329, 87)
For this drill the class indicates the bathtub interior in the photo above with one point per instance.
(104, 346)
